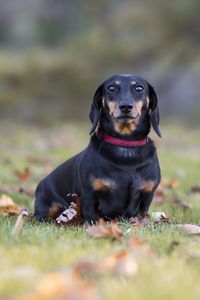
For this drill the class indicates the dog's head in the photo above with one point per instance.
(125, 104)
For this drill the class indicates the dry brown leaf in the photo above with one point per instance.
(180, 203)
(23, 175)
(140, 248)
(138, 222)
(8, 207)
(20, 221)
(135, 242)
(105, 230)
(62, 286)
(189, 228)
(195, 189)
(38, 161)
(121, 263)
(72, 215)
(159, 195)
(169, 183)
(160, 216)
(10, 188)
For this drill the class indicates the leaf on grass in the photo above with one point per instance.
(20, 221)
(87, 267)
(72, 215)
(62, 286)
(140, 247)
(23, 175)
(8, 207)
(160, 216)
(180, 203)
(27, 191)
(159, 196)
(195, 189)
(139, 222)
(39, 161)
(189, 228)
(169, 183)
(105, 230)
(135, 242)
(121, 263)
(11, 188)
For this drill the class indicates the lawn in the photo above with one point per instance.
(167, 259)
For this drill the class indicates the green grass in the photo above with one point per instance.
(173, 271)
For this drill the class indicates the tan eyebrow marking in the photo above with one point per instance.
(117, 82)
(133, 82)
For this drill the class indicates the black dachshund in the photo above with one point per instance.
(118, 172)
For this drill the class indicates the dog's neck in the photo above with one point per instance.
(118, 141)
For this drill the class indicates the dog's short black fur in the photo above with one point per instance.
(111, 180)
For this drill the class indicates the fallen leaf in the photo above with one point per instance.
(159, 196)
(62, 286)
(169, 183)
(195, 189)
(121, 263)
(138, 221)
(189, 228)
(160, 216)
(8, 207)
(180, 203)
(27, 191)
(105, 230)
(173, 245)
(72, 215)
(23, 175)
(20, 221)
(88, 267)
(11, 188)
(38, 161)
(134, 241)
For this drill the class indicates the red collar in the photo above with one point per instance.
(120, 142)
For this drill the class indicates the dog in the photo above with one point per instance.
(118, 172)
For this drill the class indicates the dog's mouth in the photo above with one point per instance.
(127, 118)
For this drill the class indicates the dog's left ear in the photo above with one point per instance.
(95, 110)
(154, 116)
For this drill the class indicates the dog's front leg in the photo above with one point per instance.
(134, 202)
(146, 199)
(88, 207)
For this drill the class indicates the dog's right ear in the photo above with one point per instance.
(95, 110)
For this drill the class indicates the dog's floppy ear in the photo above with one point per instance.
(95, 110)
(154, 116)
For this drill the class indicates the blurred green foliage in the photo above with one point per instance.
(55, 53)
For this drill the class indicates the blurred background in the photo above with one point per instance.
(53, 54)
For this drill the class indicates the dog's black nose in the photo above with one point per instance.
(125, 108)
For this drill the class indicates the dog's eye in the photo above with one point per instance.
(139, 89)
(111, 88)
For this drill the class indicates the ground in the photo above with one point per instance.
(169, 269)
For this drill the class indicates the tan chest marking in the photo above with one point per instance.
(54, 209)
(148, 186)
(103, 184)
(124, 129)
